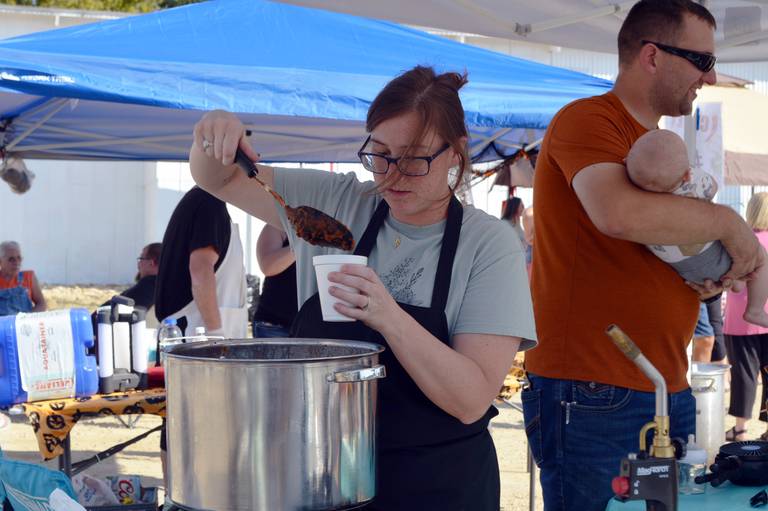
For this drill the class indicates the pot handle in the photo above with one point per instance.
(358, 375)
(707, 387)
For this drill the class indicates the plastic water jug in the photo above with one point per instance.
(86, 372)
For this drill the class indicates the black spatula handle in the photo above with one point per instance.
(245, 163)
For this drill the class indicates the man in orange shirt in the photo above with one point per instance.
(587, 402)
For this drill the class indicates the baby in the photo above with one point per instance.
(658, 162)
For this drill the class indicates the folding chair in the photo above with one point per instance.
(26, 486)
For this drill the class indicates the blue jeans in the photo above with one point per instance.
(264, 329)
(14, 300)
(579, 432)
(703, 327)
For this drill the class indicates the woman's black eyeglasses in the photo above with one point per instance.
(704, 62)
(407, 165)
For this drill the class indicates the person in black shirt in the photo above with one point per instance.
(148, 263)
(201, 279)
(278, 303)
(143, 291)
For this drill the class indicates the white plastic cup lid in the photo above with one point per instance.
(339, 259)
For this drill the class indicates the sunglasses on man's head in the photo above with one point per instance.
(703, 61)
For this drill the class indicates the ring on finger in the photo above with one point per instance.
(366, 304)
(206, 144)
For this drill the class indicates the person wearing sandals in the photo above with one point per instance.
(747, 344)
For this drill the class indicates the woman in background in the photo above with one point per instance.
(513, 213)
(277, 303)
(19, 290)
(747, 344)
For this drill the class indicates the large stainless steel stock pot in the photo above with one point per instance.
(272, 424)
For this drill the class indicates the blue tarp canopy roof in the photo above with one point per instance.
(301, 79)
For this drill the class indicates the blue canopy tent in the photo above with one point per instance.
(301, 79)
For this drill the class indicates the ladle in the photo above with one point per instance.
(310, 224)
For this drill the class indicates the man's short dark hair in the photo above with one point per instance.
(659, 21)
(153, 251)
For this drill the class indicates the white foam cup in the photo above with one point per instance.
(325, 264)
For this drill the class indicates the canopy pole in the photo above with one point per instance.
(85, 134)
(150, 201)
(501, 143)
(564, 21)
(28, 109)
(266, 157)
(28, 131)
(492, 138)
(742, 39)
(533, 144)
(249, 243)
(97, 136)
(65, 131)
(487, 13)
(108, 141)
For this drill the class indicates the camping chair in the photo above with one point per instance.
(26, 486)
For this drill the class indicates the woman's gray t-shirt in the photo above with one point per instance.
(489, 291)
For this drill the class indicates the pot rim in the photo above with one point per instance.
(708, 369)
(375, 349)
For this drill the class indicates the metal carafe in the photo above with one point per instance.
(708, 387)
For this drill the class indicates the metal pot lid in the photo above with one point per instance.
(274, 350)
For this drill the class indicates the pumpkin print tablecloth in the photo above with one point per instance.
(53, 420)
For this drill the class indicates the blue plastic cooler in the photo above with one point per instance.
(86, 371)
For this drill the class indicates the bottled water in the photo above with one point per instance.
(168, 335)
(693, 464)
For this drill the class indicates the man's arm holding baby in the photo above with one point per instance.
(621, 210)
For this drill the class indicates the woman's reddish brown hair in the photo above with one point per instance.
(435, 99)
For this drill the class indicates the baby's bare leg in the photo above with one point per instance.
(757, 294)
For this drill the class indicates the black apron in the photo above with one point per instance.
(427, 459)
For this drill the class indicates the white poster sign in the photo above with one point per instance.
(708, 120)
(46, 354)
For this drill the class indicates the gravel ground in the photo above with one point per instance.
(89, 297)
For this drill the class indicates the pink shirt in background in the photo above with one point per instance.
(736, 304)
